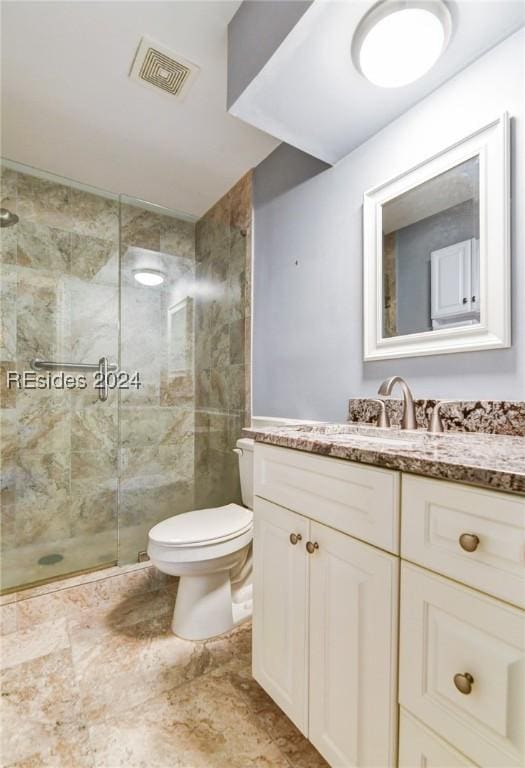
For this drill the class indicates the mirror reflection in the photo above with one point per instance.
(430, 260)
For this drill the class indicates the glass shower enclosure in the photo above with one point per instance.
(97, 392)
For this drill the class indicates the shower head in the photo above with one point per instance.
(7, 219)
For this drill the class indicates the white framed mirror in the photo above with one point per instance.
(436, 247)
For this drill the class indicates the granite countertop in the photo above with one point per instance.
(489, 461)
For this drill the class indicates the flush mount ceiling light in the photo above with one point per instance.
(399, 40)
(149, 277)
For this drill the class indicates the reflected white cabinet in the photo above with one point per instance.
(325, 635)
(455, 281)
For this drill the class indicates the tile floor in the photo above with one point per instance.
(92, 676)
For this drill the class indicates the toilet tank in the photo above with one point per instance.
(244, 451)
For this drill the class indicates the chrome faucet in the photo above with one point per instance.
(408, 420)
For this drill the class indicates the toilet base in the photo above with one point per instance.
(204, 607)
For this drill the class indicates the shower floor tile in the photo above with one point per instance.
(21, 565)
(93, 676)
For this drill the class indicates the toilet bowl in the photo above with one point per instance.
(210, 550)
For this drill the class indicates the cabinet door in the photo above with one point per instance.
(451, 280)
(353, 650)
(280, 594)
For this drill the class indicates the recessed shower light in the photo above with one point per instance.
(149, 277)
(399, 40)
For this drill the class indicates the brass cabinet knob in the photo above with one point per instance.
(311, 547)
(464, 682)
(295, 537)
(469, 542)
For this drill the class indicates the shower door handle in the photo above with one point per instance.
(103, 367)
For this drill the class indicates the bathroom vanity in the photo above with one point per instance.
(388, 606)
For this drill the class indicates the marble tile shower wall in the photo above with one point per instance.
(60, 302)
(222, 343)
(61, 450)
(157, 339)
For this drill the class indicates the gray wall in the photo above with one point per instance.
(414, 245)
(307, 346)
(254, 34)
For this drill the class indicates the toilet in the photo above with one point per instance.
(210, 550)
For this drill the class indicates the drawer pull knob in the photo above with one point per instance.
(469, 542)
(295, 537)
(464, 682)
(311, 547)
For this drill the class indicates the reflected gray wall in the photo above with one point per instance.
(414, 246)
(308, 326)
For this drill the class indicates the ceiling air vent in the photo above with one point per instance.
(155, 66)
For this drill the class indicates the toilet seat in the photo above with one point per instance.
(202, 527)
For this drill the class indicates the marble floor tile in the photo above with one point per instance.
(40, 714)
(94, 678)
(114, 676)
(271, 720)
(7, 619)
(27, 644)
(202, 724)
(133, 578)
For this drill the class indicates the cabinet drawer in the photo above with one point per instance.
(449, 630)
(355, 499)
(419, 746)
(437, 513)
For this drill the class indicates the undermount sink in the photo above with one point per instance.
(384, 442)
(367, 434)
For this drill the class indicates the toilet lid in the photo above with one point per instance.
(203, 526)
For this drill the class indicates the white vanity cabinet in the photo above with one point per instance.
(328, 580)
(326, 604)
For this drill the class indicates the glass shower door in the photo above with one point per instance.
(157, 421)
(59, 277)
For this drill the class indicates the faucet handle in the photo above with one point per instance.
(436, 423)
(383, 420)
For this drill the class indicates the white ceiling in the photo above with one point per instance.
(310, 94)
(69, 107)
